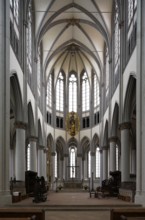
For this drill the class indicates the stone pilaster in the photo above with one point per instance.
(33, 153)
(125, 151)
(105, 161)
(20, 161)
(112, 160)
(140, 105)
(4, 101)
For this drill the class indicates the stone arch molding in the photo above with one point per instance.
(95, 142)
(130, 99)
(50, 143)
(85, 146)
(115, 122)
(61, 146)
(31, 123)
(16, 97)
(40, 136)
(105, 137)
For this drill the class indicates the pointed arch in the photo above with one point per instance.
(31, 124)
(105, 137)
(130, 99)
(16, 97)
(40, 138)
(115, 121)
(95, 142)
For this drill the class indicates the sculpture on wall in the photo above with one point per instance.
(72, 123)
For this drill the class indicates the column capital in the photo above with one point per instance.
(25, 23)
(113, 139)
(32, 138)
(41, 147)
(53, 154)
(79, 155)
(92, 153)
(21, 125)
(125, 125)
(104, 148)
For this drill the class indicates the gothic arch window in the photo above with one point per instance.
(131, 26)
(96, 92)
(28, 157)
(97, 162)
(132, 4)
(29, 39)
(56, 164)
(39, 73)
(116, 43)
(85, 93)
(49, 92)
(14, 4)
(89, 164)
(106, 71)
(60, 93)
(72, 93)
(72, 161)
(117, 154)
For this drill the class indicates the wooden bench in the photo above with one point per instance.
(22, 213)
(127, 214)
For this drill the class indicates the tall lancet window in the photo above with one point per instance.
(89, 164)
(14, 4)
(72, 93)
(97, 162)
(39, 74)
(49, 92)
(29, 40)
(60, 93)
(107, 72)
(132, 4)
(72, 163)
(96, 92)
(85, 93)
(116, 37)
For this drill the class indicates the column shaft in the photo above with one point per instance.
(20, 162)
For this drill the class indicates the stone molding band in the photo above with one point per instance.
(21, 125)
(125, 125)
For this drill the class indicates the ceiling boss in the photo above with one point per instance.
(72, 123)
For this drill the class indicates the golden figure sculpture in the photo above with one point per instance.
(72, 123)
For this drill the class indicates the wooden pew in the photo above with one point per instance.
(22, 213)
(127, 214)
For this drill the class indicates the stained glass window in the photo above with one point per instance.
(60, 93)
(49, 92)
(72, 93)
(85, 93)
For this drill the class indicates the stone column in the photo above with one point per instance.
(101, 166)
(53, 181)
(140, 105)
(66, 172)
(40, 160)
(125, 151)
(85, 169)
(44, 163)
(105, 162)
(93, 164)
(133, 161)
(4, 101)
(20, 161)
(79, 168)
(112, 141)
(33, 153)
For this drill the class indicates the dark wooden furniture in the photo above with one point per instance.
(30, 179)
(127, 214)
(22, 213)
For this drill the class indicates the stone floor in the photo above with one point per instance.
(75, 206)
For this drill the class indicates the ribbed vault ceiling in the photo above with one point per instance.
(73, 34)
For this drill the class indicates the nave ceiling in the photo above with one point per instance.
(73, 34)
